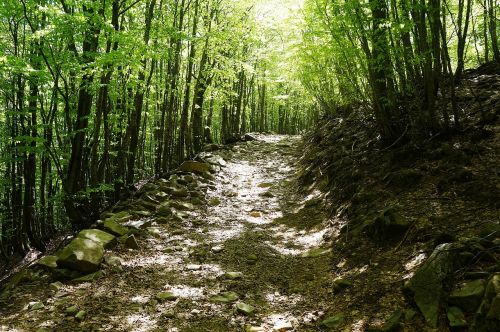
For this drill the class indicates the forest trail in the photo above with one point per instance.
(255, 224)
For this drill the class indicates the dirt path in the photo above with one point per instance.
(254, 224)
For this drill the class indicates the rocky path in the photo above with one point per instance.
(250, 259)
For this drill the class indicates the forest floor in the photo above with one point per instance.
(256, 223)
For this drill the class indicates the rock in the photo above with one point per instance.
(166, 296)
(193, 267)
(217, 249)
(80, 315)
(248, 137)
(267, 194)
(56, 286)
(131, 242)
(226, 297)
(245, 309)
(105, 239)
(456, 317)
(214, 201)
(182, 206)
(316, 252)
(149, 187)
(138, 224)
(388, 225)
(341, 284)
(122, 216)
(89, 277)
(250, 328)
(71, 311)
(164, 210)
(333, 322)
(468, 295)
(48, 262)
(168, 314)
(82, 255)
(155, 232)
(113, 227)
(252, 257)
(490, 306)
(426, 286)
(283, 326)
(113, 261)
(390, 325)
(196, 201)
(66, 273)
(233, 275)
(194, 167)
(180, 192)
(35, 306)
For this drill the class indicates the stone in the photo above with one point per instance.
(468, 295)
(214, 201)
(168, 314)
(82, 255)
(89, 277)
(36, 305)
(217, 249)
(48, 262)
(194, 167)
(196, 201)
(316, 252)
(105, 239)
(248, 137)
(138, 224)
(149, 187)
(390, 325)
(166, 296)
(333, 322)
(142, 213)
(426, 286)
(61, 273)
(456, 317)
(283, 326)
(180, 192)
(252, 257)
(233, 275)
(182, 206)
(245, 309)
(164, 210)
(250, 328)
(193, 267)
(113, 227)
(122, 216)
(341, 284)
(80, 315)
(226, 297)
(113, 261)
(490, 306)
(131, 242)
(388, 225)
(56, 286)
(71, 311)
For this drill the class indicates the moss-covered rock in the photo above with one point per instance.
(426, 288)
(105, 239)
(82, 255)
(468, 295)
(194, 167)
(115, 228)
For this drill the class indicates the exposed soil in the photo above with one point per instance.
(262, 228)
